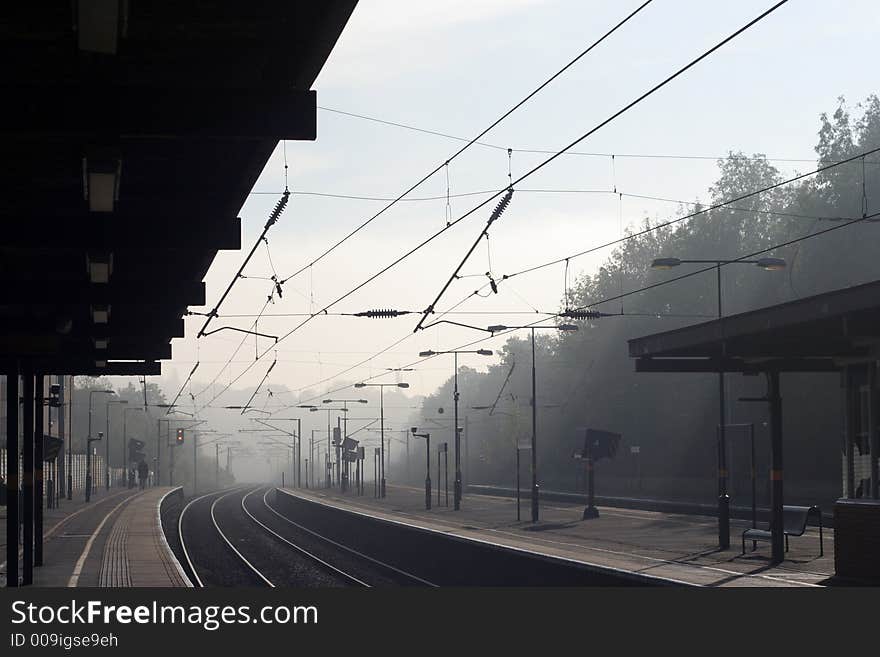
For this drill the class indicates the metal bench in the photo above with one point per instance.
(794, 523)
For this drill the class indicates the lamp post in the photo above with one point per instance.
(767, 264)
(427, 438)
(381, 387)
(344, 409)
(456, 495)
(107, 438)
(125, 413)
(560, 327)
(327, 465)
(89, 441)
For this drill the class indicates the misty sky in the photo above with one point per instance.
(454, 67)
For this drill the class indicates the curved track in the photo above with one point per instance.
(207, 556)
(236, 537)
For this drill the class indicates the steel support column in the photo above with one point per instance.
(27, 489)
(776, 496)
(12, 493)
(38, 471)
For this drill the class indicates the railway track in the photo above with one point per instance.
(237, 537)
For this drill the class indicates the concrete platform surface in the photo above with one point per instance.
(678, 547)
(115, 540)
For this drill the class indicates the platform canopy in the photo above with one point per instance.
(132, 134)
(821, 333)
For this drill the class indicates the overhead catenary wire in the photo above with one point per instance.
(471, 142)
(715, 206)
(611, 118)
(496, 214)
(180, 392)
(547, 151)
(503, 386)
(703, 210)
(231, 357)
(753, 254)
(521, 190)
(730, 201)
(535, 169)
(669, 281)
(260, 385)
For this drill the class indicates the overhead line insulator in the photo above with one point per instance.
(277, 210)
(502, 206)
(583, 314)
(382, 313)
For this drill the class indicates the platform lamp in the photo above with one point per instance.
(427, 437)
(381, 387)
(767, 264)
(456, 496)
(559, 327)
(107, 438)
(90, 440)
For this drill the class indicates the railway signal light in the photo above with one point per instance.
(178, 439)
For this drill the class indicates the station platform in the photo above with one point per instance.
(115, 540)
(677, 547)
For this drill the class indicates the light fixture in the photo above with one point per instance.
(771, 264)
(101, 344)
(425, 354)
(63, 325)
(100, 267)
(484, 352)
(101, 314)
(101, 364)
(495, 328)
(102, 169)
(99, 23)
(665, 263)
(567, 327)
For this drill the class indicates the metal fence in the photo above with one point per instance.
(54, 477)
